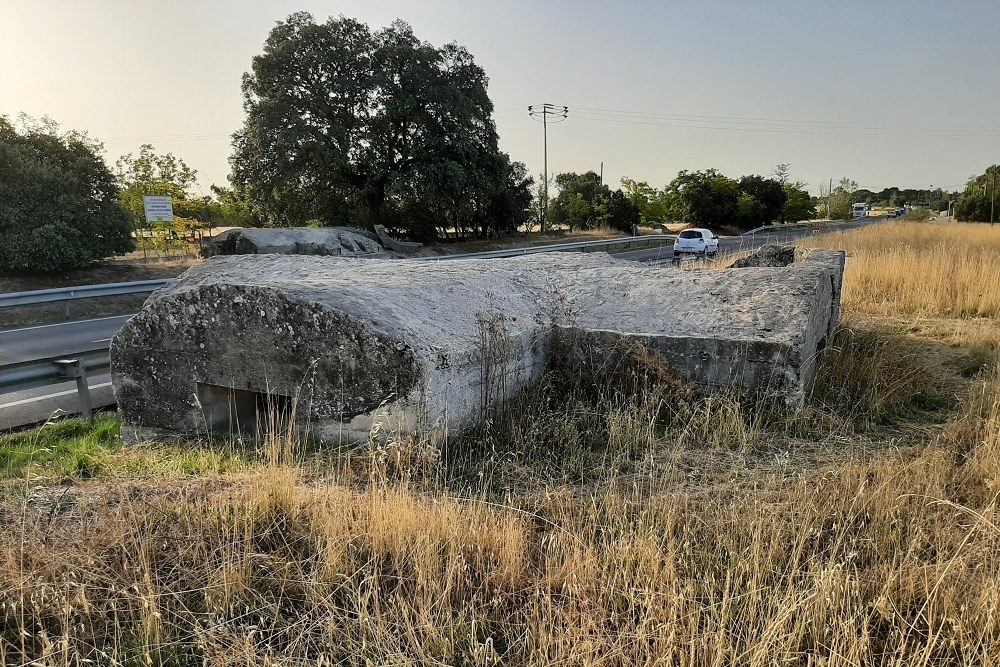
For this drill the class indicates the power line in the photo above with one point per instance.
(738, 127)
(782, 121)
(542, 112)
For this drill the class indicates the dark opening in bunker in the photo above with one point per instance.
(243, 413)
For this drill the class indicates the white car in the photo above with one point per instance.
(697, 240)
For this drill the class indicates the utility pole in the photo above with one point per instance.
(829, 193)
(993, 190)
(546, 113)
(602, 172)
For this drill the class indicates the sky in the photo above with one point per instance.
(885, 92)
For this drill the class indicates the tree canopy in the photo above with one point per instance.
(58, 200)
(767, 201)
(711, 199)
(349, 125)
(655, 206)
(842, 199)
(707, 198)
(978, 203)
(149, 173)
(585, 202)
(798, 204)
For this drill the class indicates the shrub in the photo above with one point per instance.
(58, 202)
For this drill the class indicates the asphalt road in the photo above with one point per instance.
(51, 340)
(36, 405)
(732, 244)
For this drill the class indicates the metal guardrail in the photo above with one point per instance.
(555, 247)
(804, 223)
(34, 297)
(41, 372)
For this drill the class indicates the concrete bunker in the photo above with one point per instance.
(338, 241)
(355, 345)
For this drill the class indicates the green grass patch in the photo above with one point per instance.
(73, 447)
(82, 449)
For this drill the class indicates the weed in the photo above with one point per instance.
(870, 376)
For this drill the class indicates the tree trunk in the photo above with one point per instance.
(376, 202)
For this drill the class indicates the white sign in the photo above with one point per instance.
(158, 208)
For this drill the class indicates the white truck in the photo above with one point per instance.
(859, 211)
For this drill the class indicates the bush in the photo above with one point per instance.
(58, 202)
(973, 208)
(917, 215)
(51, 247)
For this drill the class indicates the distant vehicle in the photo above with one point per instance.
(892, 214)
(859, 211)
(698, 241)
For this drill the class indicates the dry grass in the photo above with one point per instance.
(934, 269)
(891, 561)
(607, 517)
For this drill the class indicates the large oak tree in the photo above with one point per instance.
(342, 120)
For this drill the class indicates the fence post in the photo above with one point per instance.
(72, 368)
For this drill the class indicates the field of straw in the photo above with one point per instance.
(611, 520)
(935, 269)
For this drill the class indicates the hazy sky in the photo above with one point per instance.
(887, 92)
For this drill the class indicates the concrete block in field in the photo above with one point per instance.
(340, 241)
(402, 247)
(354, 345)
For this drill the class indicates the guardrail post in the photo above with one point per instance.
(72, 368)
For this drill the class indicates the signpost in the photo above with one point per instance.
(158, 208)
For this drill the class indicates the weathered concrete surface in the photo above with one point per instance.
(340, 241)
(401, 346)
(402, 247)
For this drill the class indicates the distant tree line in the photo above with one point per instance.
(979, 200)
(346, 125)
(584, 202)
(708, 198)
(936, 199)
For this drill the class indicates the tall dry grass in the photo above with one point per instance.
(885, 563)
(602, 553)
(933, 269)
(886, 560)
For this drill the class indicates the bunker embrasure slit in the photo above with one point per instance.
(240, 412)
